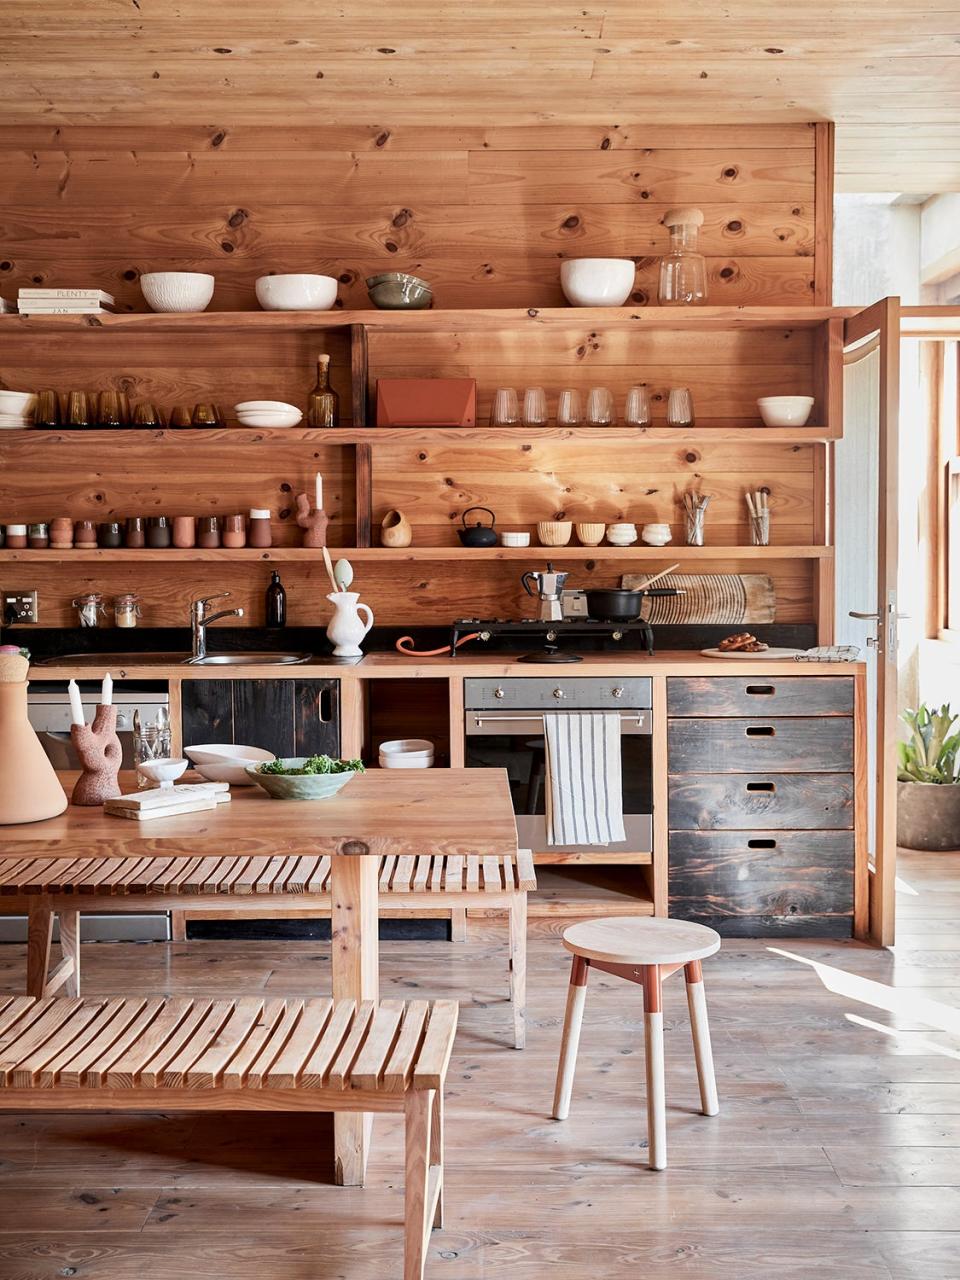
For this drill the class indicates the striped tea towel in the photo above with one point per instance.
(584, 799)
(829, 653)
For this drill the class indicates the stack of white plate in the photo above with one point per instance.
(406, 753)
(226, 762)
(16, 409)
(267, 413)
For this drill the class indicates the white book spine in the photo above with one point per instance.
(90, 295)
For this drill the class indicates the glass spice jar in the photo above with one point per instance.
(110, 534)
(38, 537)
(136, 535)
(90, 607)
(126, 609)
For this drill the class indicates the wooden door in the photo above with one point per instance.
(870, 600)
(289, 717)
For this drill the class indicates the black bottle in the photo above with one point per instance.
(276, 602)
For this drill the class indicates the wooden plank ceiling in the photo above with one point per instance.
(888, 74)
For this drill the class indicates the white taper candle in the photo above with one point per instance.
(319, 495)
(76, 705)
(106, 691)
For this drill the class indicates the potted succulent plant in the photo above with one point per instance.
(928, 784)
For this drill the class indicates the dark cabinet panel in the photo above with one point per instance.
(757, 802)
(288, 717)
(815, 744)
(773, 695)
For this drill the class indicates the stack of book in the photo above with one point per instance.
(64, 302)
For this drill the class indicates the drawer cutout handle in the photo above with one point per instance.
(761, 844)
(760, 731)
(761, 786)
(761, 690)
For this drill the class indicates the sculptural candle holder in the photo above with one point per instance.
(312, 521)
(100, 754)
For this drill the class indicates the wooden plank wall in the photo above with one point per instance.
(486, 214)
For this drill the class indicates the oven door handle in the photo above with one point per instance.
(501, 722)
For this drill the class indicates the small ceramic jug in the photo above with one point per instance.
(346, 628)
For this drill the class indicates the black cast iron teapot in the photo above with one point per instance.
(478, 535)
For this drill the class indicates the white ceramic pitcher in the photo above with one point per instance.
(346, 628)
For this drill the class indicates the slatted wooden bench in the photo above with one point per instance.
(252, 1054)
(49, 887)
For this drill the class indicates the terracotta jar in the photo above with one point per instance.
(184, 531)
(208, 533)
(259, 532)
(61, 533)
(29, 789)
(38, 537)
(234, 532)
(136, 534)
(84, 534)
(16, 536)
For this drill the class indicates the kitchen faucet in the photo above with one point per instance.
(200, 620)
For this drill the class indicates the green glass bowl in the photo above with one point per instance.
(398, 291)
(302, 786)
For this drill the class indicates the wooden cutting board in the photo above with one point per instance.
(724, 598)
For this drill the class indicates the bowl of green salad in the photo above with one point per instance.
(304, 777)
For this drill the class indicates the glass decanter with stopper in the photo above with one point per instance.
(683, 270)
(323, 403)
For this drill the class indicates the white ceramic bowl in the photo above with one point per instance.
(17, 402)
(656, 535)
(226, 762)
(164, 772)
(265, 406)
(785, 411)
(514, 539)
(297, 292)
(597, 282)
(272, 418)
(407, 753)
(177, 290)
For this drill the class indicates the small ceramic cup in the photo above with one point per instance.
(554, 533)
(656, 535)
(591, 535)
(514, 539)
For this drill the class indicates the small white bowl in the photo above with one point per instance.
(227, 762)
(178, 291)
(273, 418)
(299, 292)
(514, 539)
(265, 406)
(656, 535)
(407, 753)
(785, 411)
(597, 282)
(164, 772)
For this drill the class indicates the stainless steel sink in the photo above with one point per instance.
(248, 659)
(175, 659)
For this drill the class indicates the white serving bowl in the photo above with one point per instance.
(297, 292)
(271, 418)
(226, 762)
(597, 282)
(785, 411)
(17, 402)
(407, 753)
(265, 406)
(179, 291)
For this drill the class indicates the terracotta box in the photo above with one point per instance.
(426, 402)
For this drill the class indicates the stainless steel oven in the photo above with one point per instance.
(504, 729)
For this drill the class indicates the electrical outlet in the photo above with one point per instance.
(20, 606)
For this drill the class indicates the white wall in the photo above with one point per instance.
(876, 250)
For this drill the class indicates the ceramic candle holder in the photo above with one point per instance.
(313, 523)
(100, 754)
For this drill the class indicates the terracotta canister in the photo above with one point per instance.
(184, 531)
(29, 789)
(61, 532)
(395, 530)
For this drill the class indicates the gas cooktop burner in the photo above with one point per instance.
(550, 632)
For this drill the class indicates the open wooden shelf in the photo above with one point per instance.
(590, 890)
(302, 555)
(438, 321)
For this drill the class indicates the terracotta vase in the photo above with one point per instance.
(395, 530)
(100, 753)
(29, 788)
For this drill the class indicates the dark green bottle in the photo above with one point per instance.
(276, 602)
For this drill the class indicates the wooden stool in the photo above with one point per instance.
(643, 951)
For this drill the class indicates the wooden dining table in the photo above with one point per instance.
(404, 813)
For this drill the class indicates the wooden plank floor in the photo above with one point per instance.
(837, 1151)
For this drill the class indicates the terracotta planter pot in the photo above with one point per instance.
(29, 788)
(928, 816)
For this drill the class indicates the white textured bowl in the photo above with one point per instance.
(179, 291)
(297, 292)
(785, 411)
(226, 763)
(514, 539)
(597, 282)
(271, 418)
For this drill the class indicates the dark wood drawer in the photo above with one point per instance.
(818, 744)
(289, 717)
(772, 695)
(763, 801)
(754, 884)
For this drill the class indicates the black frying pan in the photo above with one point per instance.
(618, 604)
